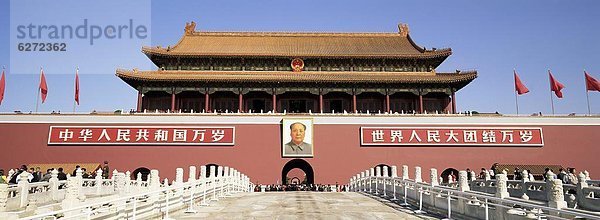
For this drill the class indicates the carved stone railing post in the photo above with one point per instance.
(367, 186)
(127, 180)
(178, 176)
(385, 180)
(113, 178)
(556, 196)
(154, 180)
(192, 174)
(53, 182)
(487, 176)
(501, 187)
(119, 183)
(501, 192)
(98, 180)
(232, 180)
(220, 181)
(213, 178)
(357, 183)
(71, 196)
(204, 185)
(23, 186)
(580, 185)
(473, 176)
(377, 179)
(178, 182)
(371, 177)
(433, 177)
(362, 182)
(524, 182)
(3, 197)
(418, 178)
(153, 184)
(463, 184)
(225, 187)
(238, 181)
(394, 171)
(79, 175)
(404, 172)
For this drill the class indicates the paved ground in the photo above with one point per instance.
(301, 205)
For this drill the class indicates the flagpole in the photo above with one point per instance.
(516, 95)
(75, 92)
(517, 102)
(551, 99)
(37, 99)
(587, 94)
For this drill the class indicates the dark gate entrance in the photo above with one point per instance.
(300, 164)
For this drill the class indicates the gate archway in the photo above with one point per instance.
(300, 164)
(143, 170)
(447, 173)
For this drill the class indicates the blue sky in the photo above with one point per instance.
(491, 37)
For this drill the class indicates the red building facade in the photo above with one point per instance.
(339, 150)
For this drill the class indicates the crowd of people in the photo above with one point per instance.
(568, 176)
(36, 175)
(300, 187)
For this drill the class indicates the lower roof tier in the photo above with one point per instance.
(137, 78)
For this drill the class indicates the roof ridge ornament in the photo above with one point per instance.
(190, 28)
(403, 29)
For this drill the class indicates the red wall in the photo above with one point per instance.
(337, 152)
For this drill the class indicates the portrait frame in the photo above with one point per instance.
(288, 149)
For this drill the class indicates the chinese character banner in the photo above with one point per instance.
(451, 136)
(141, 135)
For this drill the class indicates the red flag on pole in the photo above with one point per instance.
(2, 86)
(43, 86)
(77, 86)
(519, 86)
(555, 86)
(591, 84)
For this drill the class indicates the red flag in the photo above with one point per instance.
(2, 85)
(43, 86)
(77, 86)
(519, 86)
(591, 84)
(555, 86)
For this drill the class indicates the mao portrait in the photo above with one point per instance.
(297, 138)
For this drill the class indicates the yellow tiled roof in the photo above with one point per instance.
(280, 44)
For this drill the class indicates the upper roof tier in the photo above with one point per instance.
(287, 44)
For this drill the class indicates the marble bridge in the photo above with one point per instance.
(376, 193)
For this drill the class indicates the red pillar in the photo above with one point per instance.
(320, 102)
(274, 102)
(453, 103)
(139, 101)
(354, 102)
(421, 103)
(173, 101)
(206, 102)
(387, 103)
(241, 102)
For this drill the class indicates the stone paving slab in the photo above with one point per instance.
(300, 205)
